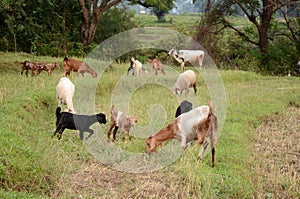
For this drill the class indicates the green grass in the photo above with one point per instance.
(35, 165)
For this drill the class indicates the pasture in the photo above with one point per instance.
(257, 154)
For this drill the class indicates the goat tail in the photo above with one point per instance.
(211, 110)
(213, 126)
(58, 109)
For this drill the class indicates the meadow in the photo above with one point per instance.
(257, 154)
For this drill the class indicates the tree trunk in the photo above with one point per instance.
(90, 20)
(15, 43)
(266, 18)
(64, 44)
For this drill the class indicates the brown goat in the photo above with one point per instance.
(26, 66)
(49, 67)
(157, 65)
(197, 124)
(77, 66)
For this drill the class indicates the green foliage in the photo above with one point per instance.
(114, 21)
(26, 26)
(160, 8)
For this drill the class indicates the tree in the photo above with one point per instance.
(160, 7)
(93, 11)
(259, 13)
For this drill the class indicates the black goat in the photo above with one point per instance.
(185, 106)
(66, 120)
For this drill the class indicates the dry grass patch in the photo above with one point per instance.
(276, 159)
(97, 181)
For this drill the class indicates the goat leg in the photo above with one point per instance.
(109, 131)
(195, 87)
(81, 134)
(91, 133)
(60, 133)
(56, 131)
(123, 135)
(115, 132)
(213, 156)
(201, 153)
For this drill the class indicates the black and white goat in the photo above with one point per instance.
(66, 120)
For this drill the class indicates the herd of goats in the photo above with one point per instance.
(189, 124)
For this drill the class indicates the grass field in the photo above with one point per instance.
(257, 155)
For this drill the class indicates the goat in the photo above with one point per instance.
(157, 65)
(26, 66)
(65, 120)
(120, 120)
(184, 81)
(191, 56)
(138, 66)
(77, 66)
(65, 90)
(49, 67)
(185, 106)
(198, 124)
(131, 68)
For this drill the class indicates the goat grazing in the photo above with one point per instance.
(65, 90)
(191, 56)
(65, 120)
(185, 106)
(120, 120)
(138, 66)
(26, 66)
(47, 67)
(198, 124)
(157, 65)
(184, 81)
(77, 66)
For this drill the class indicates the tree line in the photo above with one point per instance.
(268, 42)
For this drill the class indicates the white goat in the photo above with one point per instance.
(192, 56)
(184, 81)
(65, 90)
(138, 66)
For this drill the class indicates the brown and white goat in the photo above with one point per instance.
(198, 124)
(120, 120)
(77, 66)
(26, 66)
(138, 66)
(49, 67)
(157, 65)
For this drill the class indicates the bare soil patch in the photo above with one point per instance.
(276, 159)
(97, 181)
